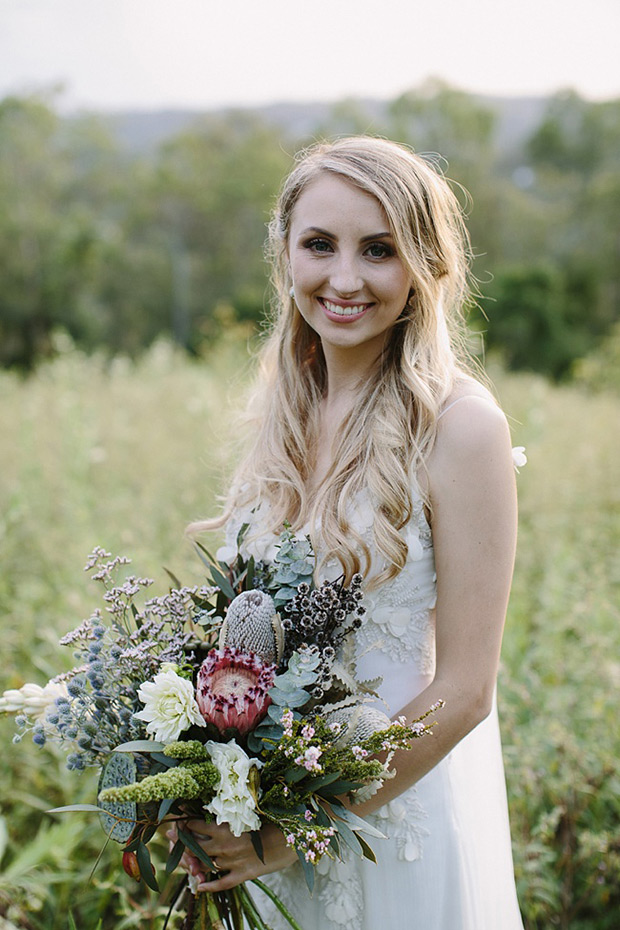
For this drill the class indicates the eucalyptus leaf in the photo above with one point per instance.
(308, 871)
(313, 784)
(164, 808)
(140, 745)
(293, 775)
(223, 583)
(257, 843)
(146, 866)
(174, 856)
(349, 837)
(366, 849)
(195, 848)
(358, 823)
(289, 698)
(75, 807)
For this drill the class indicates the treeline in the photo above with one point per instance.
(118, 248)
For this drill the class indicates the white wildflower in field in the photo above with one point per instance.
(519, 458)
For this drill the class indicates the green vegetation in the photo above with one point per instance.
(124, 454)
(109, 257)
(119, 247)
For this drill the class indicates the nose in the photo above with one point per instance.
(345, 278)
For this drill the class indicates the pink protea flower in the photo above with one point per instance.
(232, 689)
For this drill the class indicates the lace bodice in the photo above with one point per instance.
(397, 639)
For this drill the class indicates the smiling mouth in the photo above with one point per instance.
(337, 310)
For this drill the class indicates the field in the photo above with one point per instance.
(125, 454)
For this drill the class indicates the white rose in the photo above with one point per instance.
(169, 706)
(234, 803)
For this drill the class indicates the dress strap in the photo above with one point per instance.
(457, 401)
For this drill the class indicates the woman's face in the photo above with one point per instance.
(350, 284)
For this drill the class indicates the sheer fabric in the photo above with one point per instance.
(446, 862)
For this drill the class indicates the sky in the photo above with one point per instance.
(203, 54)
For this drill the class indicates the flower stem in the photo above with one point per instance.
(273, 896)
(254, 919)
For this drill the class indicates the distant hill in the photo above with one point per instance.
(142, 131)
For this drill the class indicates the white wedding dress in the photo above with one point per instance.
(446, 862)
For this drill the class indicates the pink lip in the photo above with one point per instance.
(336, 317)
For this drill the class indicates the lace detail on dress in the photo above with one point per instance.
(399, 621)
(337, 887)
(401, 819)
(341, 892)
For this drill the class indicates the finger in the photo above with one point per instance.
(224, 883)
(200, 830)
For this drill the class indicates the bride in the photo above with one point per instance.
(373, 436)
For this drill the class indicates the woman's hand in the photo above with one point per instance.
(234, 856)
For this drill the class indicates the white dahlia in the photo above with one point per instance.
(169, 706)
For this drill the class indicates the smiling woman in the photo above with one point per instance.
(349, 283)
(373, 438)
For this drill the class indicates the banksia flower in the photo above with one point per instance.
(252, 625)
(357, 723)
(232, 689)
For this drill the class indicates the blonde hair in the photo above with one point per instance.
(385, 439)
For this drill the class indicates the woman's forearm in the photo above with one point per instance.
(462, 711)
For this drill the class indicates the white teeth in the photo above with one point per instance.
(343, 311)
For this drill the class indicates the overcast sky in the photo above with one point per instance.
(122, 54)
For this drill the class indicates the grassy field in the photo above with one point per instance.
(124, 455)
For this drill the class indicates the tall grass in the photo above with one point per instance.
(124, 455)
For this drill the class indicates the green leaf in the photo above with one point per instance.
(164, 808)
(293, 775)
(257, 843)
(340, 787)
(350, 838)
(166, 761)
(308, 871)
(343, 813)
(366, 849)
(313, 783)
(175, 581)
(194, 847)
(76, 807)
(223, 583)
(146, 867)
(140, 745)
(291, 699)
(174, 857)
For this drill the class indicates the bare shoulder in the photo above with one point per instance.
(473, 439)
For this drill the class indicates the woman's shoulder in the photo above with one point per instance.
(467, 393)
(472, 433)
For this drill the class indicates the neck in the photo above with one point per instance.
(346, 372)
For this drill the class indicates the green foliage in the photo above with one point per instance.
(117, 249)
(124, 455)
(537, 317)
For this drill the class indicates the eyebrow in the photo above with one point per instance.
(325, 232)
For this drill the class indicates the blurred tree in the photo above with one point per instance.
(213, 191)
(539, 317)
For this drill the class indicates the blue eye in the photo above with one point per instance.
(379, 250)
(318, 245)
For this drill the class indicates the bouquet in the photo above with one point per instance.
(235, 702)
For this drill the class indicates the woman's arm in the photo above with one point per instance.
(472, 492)
(474, 516)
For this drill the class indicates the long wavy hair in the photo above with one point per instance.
(388, 434)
